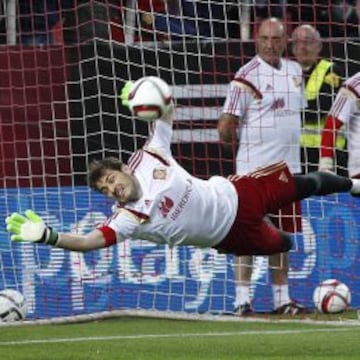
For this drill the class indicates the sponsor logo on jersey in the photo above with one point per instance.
(183, 200)
(159, 173)
(278, 103)
(283, 177)
(166, 204)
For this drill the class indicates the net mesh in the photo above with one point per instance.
(62, 66)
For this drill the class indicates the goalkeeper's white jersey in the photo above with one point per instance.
(346, 108)
(175, 207)
(268, 102)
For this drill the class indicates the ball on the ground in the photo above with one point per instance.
(12, 306)
(150, 98)
(331, 297)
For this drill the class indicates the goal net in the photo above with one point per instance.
(61, 71)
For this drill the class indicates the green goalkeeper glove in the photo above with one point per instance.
(30, 228)
(125, 91)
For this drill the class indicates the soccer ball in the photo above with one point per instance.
(12, 306)
(331, 297)
(150, 98)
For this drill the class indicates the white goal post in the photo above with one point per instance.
(60, 108)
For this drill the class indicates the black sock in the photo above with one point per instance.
(321, 183)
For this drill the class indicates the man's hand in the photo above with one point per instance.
(227, 127)
(125, 91)
(326, 164)
(30, 228)
(147, 19)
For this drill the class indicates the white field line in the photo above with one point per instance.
(169, 336)
(176, 315)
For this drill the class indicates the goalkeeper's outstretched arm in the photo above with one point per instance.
(91, 241)
(31, 228)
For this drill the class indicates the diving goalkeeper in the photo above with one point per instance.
(159, 201)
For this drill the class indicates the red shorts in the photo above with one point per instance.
(288, 218)
(260, 193)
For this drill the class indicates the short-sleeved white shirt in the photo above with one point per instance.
(175, 208)
(346, 108)
(268, 102)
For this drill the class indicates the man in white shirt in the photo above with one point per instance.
(345, 112)
(161, 202)
(262, 113)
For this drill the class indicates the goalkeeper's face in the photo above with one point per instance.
(121, 186)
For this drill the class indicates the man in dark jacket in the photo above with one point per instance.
(322, 81)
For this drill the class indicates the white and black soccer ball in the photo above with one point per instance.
(331, 297)
(12, 306)
(150, 98)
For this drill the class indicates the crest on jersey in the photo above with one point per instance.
(159, 173)
(166, 204)
(297, 81)
(147, 203)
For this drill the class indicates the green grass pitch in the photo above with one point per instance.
(157, 339)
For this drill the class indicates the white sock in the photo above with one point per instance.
(280, 295)
(355, 186)
(242, 295)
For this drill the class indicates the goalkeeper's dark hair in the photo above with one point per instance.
(97, 169)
